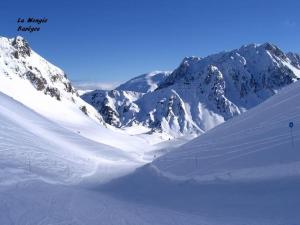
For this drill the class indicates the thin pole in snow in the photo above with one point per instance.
(291, 125)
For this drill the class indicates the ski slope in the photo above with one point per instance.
(50, 175)
(245, 171)
(256, 145)
(33, 147)
(40, 203)
(242, 175)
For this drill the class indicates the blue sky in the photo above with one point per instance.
(109, 41)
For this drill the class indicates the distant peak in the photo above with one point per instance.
(155, 72)
(19, 41)
(266, 46)
(251, 45)
(190, 59)
(21, 45)
(273, 49)
(269, 46)
(20, 38)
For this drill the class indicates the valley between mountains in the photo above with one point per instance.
(206, 143)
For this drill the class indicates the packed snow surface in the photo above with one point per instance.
(245, 171)
(35, 147)
(51, 175)
(256, 145)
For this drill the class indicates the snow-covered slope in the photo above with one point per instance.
(201, 93)
(33, 147)
(145, 83)
(32, 80)
(48, 175)
(253, 179)
(245, 171)
(184, 187)
(40, 203)
(258, 144)
(43, 87)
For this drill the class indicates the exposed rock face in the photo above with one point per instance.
(201, 93)
(295, 59)
(116, 107)
(21, 46)
(53, 92)
(22, 65)
(38, 82)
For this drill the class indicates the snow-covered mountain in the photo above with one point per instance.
(23, 72)
(54, 158)
(50, 169)
(201, 93)
(146, 82)
(44, 88)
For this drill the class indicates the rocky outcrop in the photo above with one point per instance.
(19, 64)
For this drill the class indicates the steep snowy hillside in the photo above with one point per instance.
(258, 144)
(245, 171)
(201, 93)
(32, 80)
(33, 147)
(41, 86)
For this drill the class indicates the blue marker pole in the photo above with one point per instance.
(291, 125)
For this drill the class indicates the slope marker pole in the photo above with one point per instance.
(291, 125)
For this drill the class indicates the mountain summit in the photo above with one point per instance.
(32, 80)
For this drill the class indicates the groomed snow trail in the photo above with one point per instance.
(33, 147)
(48, 175)
(245, 171)
(44, 204)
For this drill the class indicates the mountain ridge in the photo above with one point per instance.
(201, 92)
(21, 64)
